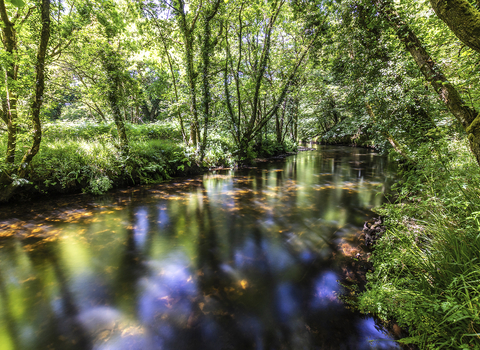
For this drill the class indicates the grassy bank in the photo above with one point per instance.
(85, 157)
(427, 266)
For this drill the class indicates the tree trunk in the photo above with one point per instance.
(11, 99)
(187, 33)
(207, 49)
(466, 115)
(462, 18)
(9, 40)
(39, 89)
(112, 68)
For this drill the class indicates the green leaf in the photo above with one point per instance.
(16, 3)
(409, 340)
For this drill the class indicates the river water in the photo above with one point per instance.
(233, 259)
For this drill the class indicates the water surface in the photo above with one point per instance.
(244, 259)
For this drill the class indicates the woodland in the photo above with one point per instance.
(97, 94)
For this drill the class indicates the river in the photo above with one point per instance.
(232, 259)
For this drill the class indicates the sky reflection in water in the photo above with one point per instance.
(244, 259)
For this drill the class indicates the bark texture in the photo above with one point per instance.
(462, 18)
(207, 51)
(9, 41)
(110, 61)
(39, 89)
(187, 33)
(9, 105)
(467, 116)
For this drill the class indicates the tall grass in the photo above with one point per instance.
(85, 156)
(427, 267)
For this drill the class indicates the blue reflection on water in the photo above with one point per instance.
(278, 258)
(245, 256)
(373, 338)
(287, 303)
(141, 228)
(326, 288)
(166, 291)
(163, 220)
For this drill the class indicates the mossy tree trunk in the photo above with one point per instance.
(113, 69)
(188, 38)
(39, 89)
(467, 116)
(9, 40)
(207, 51)
(9, 105)
(462, 18)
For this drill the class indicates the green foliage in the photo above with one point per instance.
(153, 161)
(87, 130)
(158, 130)
(427, 267)
(16, 3)
(219, 150)
(269, 146)
(65, 165)
(85, 156)
(354, 131)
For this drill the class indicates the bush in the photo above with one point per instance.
(85, 156)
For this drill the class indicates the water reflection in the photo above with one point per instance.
(244, 259)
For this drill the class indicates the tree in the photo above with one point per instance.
(254, 64)
(432, 72)
(462, 18)
(9, 113)
(187, 28)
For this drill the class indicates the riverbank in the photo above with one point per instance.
(354, 279)
(86, 158)
(425, 269)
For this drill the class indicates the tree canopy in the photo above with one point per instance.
(251, 75)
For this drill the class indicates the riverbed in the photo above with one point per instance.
(232, 259)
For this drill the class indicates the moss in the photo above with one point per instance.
(473, 130)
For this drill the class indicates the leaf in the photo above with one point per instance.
(409, 340)
(16, 3)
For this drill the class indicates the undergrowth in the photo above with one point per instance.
(427, 266)
(84, 156)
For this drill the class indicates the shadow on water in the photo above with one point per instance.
(246, 259)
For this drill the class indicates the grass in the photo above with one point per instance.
(427, 266)
(85, 156)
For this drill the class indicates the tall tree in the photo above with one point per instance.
(208, 44)
(39, 89)
(261, 87)
(10, 40)
(11, 66)
(462, 18)
(433, 73)
(187, 27)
